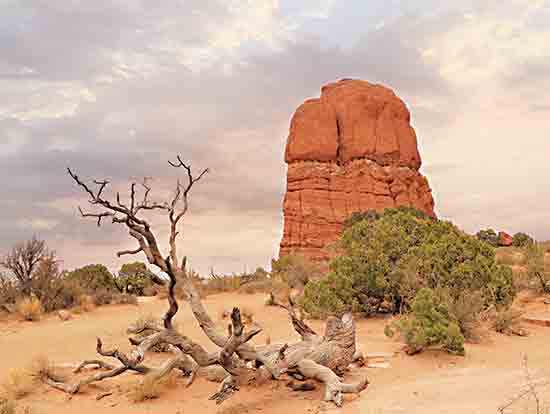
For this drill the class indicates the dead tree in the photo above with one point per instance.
(323, 358)
(22, 261)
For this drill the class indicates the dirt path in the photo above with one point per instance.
(429, 383)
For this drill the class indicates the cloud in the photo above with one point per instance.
(114, 90)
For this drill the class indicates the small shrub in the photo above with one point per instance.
(148, 389)
(29, 308)
(7, 406)
(504, 321)
(536, 266)
(86, 303)
(522, 240)
(429, 324)
(466, 311)
(488, 236)
(295, 271)
(247, 315)
(93, 277)
(134, 278)
(18, 384)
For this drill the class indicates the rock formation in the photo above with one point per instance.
(352, 149)
(504, 239)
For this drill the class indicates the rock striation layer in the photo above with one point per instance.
(353, 149)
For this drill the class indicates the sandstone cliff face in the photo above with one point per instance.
(353, 149)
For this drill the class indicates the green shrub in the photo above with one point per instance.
(537, 270)
(295, 270)
(385, 262)
(134, 278)
(522, 240)
(489, 236)
(430, 324)
(93, 277)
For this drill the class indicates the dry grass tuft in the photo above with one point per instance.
(21, 382)
(148, 389)
(7, 406)
(247, 315)
(18, 384)
(510, 256)
(86, 303)
(29, 309)
(151, 388)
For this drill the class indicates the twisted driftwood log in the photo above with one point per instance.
(321, 358)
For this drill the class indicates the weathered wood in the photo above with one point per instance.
(320, 358)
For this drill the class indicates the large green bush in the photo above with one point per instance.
(386, 260)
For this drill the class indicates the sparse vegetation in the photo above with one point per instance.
(29, 309)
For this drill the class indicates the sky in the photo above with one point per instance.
(114, 89)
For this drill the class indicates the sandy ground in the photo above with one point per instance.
(429, 383)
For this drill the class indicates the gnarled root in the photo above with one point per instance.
(334, 388)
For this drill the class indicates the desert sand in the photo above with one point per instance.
(429, 383)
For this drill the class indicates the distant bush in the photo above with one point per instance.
(93, 277)
(29, 309)
(489, 236)
(536, 267)
(295, 271)
(522, 240)
(134, 278)
(505, 320)
(429, 324)
(386, 261)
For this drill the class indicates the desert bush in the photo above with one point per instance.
(8, 290)
(134, 278)
(466, 311)
(429, 324)
(22, 260)
(385, 261)
(522, 240)
(295, 271)
(536, 266)
(150, 388)
(7, 406)
(18, 384)
(505, 320)
(108, 297)
(488, 236)
(86, 303)
(93, 277)
(29, 308)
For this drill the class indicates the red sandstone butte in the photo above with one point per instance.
(504, 239)
(352, 149)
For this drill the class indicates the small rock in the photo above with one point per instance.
(64, 315)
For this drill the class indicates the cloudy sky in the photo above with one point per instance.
(115, 88)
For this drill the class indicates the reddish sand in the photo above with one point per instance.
(429, 383)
